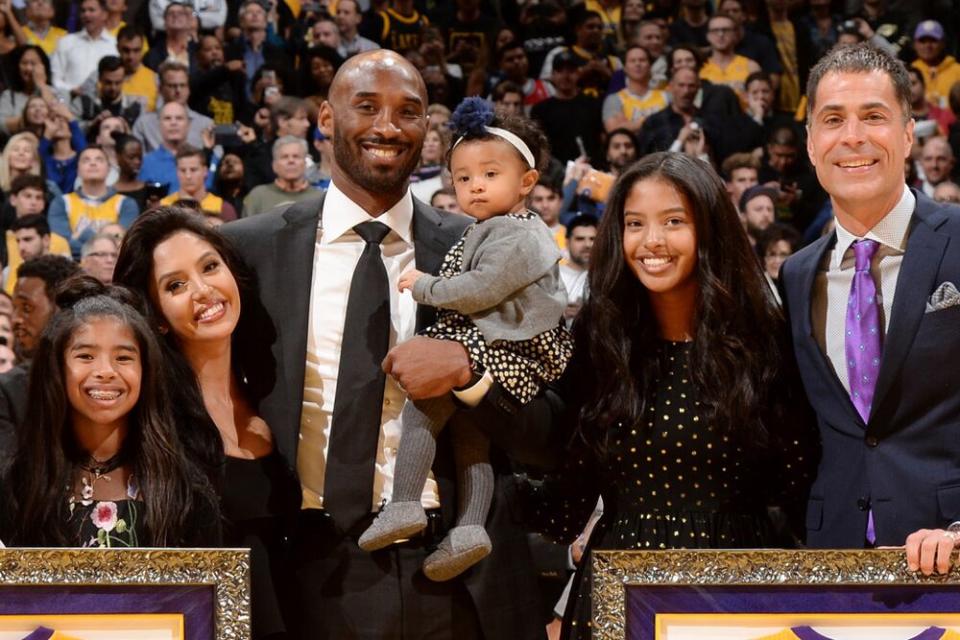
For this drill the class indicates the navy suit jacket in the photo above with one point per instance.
(904, 462)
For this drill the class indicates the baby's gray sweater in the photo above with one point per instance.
(509, 283)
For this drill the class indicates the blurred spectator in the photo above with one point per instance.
(631, 12)
(514, 65)
(546, 199)
(399, 26)
(822, 25)
(432, 153)
(349, 16)
(229, 183)
(176, 44)
(61, 142)
(886, 23)
(139, 81)
(290, 185)
(468, 31)
(739, 172)
(115, 12)
(649, 35)
(785, 168)
(922, 110)
(217, 88)
(750, 44)
(795, 49)
(211, 13)
(725, 66)
(34, 116)
(39, 29)
(6, 303)
(30, 76)
(105, 136)
(691, 25)
(760, 106)
(947, 192)
(21, 157)
(317, 68)
(774, 245)
(324, 31)
(288, 117)
(78, 216)
(570, 119)
(630, 107)
(589, 50)
(129, 156)
(107, 86)
(713, 100)
(192, 173)
(610, 15)
(937, 163)
(543, 25)
(11, 33)
(77, 54)
(581, 232)
(31, 234)
(160, 165)
(621, 150)
(445, 200)
(757, 210)
(940, 70)
(98, 257)
(662, 129)
(253, 47)
(174, 87)
(507, 97)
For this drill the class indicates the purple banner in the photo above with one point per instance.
(195, 602)
(644, 602)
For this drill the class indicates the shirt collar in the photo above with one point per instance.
(890, 231)
(341, 214)
(103, 37)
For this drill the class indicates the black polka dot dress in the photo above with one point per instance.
(672, 481)
(522, 366)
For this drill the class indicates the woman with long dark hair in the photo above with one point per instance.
(29, 75)
(197, 287)
(687, 416)
(99, 462)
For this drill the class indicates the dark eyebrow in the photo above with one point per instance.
(89, 346)
(363, 95)
(863, 107)
(659, 213)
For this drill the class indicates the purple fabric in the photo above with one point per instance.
(644, 602)
(195, 602)
(40, 633)
(864, 335)
(933, 633)
(806, 633)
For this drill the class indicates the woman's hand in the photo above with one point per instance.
(409, 278)
(246, 134)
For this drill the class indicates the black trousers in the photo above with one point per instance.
(345, 593)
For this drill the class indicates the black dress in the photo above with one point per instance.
(674, 481)
(258, 496)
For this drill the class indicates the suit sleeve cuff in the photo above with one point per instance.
(472, 395)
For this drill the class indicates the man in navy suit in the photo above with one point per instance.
(875, 313)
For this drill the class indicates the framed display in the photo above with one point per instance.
(770, 595)
(124, 594)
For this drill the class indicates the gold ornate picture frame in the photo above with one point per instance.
(770, 594)
(188, 594)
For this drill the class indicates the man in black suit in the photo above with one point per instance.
(874, 309)
(308, 257)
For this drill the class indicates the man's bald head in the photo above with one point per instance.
(369, 62)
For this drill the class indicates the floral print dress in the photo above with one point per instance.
(106, 523)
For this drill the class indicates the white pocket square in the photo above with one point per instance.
(944, 297)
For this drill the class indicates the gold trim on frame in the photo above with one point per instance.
(226, 570)
(613, 571)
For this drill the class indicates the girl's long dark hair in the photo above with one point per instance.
(135, 270)
(736, 353)
(42, 474)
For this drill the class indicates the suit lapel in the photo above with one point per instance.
(825, 372)
(290, 296)
(921, 262)
(433, 236)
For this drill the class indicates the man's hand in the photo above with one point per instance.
(427, 367)
(929, 549)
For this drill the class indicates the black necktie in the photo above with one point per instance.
(355, 427)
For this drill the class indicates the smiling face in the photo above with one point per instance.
(490, 178)
(858, 139)
(660, 239)
(194, 289)
(102, 373)
(36, 111)
(376, 116)
(21, 155)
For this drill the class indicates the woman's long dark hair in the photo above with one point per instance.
(42, 474)
(735, 358)
(135, 270)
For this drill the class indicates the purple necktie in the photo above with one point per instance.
(864, 340)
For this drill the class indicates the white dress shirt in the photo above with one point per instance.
(835, 277)
(335, 257)
(77, 56)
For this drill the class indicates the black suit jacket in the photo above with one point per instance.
(904, 463)
(279, 246)
(13, 407)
